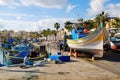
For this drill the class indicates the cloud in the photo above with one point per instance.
(17, 16)
(70, 7)
(45, 3)
(10, 3)
(32, 25)
(97, 6)
(49, 22)
(18, 25)
(113, 9)
(42, 3)
(1, 26)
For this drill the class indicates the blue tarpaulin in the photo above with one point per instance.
(60, 57)
(1, 65)
(11, 40)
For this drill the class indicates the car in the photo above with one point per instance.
(117, 36)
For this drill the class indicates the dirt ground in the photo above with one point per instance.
(76, 69)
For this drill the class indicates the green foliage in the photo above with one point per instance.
(116, 24)
(68, 25)
(57, 26)
(91, 24)
(48, 32)
(102, 17)
(53, 32)
(80, 20)
(44, 33)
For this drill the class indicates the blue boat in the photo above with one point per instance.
(17, 55)
(17, 58)
(15, 51)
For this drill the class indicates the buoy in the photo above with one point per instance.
(85, 31)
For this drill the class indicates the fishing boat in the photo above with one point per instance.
(17, 53)
(92, 43)
(15, 57)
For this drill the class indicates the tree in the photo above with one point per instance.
(116, 24)
(35, 35)
(54, 32)
(44, 33)
(68, 25)
(57, 26)
(91, 24)
(80, 20)
(104, 17)
(48, 31)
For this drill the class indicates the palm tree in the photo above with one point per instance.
(116, 24)
(102, 17)
(91, 24)
(46, 32)
(68, 25)
(54, 32)
(80, 20)
(57, 26)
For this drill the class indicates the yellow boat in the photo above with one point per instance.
(93, 42)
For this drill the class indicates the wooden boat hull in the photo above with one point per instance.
(96, 45)
(94, 52)
(10, 60)
(92, 43)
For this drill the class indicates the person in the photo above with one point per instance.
(86, 29)
(4, 53)
(33, 53)
(61, 45)
(27, 60)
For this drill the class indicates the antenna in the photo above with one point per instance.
(78, 15)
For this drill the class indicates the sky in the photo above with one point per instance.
(35, 15)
